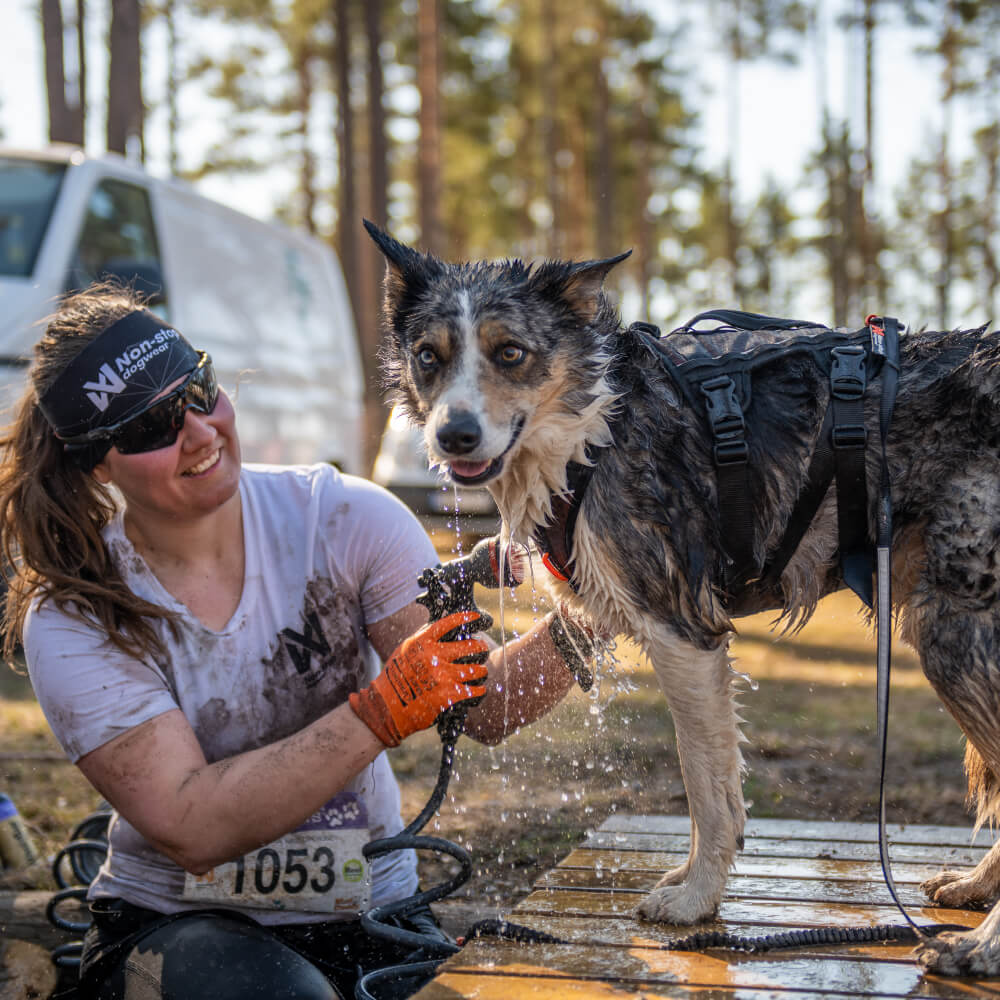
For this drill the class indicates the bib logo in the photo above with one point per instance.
(107, 385)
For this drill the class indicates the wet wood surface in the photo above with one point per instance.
(790, 875)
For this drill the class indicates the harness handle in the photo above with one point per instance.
(749, 321)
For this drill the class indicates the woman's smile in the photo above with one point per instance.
(205, 465)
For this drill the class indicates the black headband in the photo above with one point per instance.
(116, 375)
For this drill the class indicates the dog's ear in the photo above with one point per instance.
(579, 284)
(407, 270)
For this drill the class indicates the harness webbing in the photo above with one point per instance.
(849, 439)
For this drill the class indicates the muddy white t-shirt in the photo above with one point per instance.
(326, 555)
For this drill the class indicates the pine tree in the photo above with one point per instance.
(126, 114)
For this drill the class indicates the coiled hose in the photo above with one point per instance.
(74, 868)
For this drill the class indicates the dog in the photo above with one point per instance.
(519, 372)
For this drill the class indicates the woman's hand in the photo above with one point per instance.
(425, 675)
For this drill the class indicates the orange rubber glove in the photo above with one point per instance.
(422, 679)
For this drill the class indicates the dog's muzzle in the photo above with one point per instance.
(471, 473)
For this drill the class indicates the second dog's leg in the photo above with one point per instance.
(960, 653)
(967, 888)
(698, 686)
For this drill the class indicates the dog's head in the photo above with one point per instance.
(495, 360)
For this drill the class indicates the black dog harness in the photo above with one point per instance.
(713, 370)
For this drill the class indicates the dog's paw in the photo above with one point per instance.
(958, 890)
(955, 953)
(677, 904)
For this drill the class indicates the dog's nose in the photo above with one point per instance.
(460, 434)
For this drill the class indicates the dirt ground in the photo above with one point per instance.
(520, 807)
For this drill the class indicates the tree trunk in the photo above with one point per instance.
(731, 167)
(429, 149)
(81, 53)
(347, 209)
(644, 184)
(173, 88)
(378, 154)
(991, 156)
(125, 111)
(371, 261)
(604, 168)
(55, 80)
(547, 126)
(869, 283)
(307, 165)
(946, 241)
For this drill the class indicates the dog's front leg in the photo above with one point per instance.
(698, 686)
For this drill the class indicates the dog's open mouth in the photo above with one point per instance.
(476, 473)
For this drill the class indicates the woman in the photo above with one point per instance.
(206, 642)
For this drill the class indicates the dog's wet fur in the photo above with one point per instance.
(513, 370)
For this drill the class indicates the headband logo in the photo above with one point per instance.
(107, 385)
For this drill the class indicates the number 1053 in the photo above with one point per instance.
(266, 871)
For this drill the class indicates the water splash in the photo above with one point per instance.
(747, 679)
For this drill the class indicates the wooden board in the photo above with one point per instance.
(790, 875)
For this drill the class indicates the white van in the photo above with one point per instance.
(268, 304)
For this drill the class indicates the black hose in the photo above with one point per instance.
(805, 938)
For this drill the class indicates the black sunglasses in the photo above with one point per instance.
(158, 425)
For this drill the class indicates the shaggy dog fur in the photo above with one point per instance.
(513, 371)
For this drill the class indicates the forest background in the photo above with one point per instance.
(573, 128)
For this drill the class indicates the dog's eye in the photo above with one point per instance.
(511, 354)
(426, 358)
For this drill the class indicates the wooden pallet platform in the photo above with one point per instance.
(791, 874)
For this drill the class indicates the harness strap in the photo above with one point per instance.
(818, 479)
(732, 470)
(555, 540)
(850, 438)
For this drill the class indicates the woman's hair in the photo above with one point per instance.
(52, 510)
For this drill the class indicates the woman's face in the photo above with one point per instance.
(194, 476)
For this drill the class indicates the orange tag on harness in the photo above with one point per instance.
(550, 566)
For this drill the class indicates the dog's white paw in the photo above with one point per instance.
(677, 904)
(956, 953)
(958, 890)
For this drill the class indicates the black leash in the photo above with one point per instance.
(888, 328)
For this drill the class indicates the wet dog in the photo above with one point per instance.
(517, 373)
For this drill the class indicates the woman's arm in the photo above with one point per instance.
(527, 678)
(200, 814)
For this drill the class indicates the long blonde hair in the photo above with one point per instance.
(52, 510)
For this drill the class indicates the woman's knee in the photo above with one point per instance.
(218, 958)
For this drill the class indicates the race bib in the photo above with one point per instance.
(317, 868)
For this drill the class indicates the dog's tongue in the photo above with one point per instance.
(469, 470)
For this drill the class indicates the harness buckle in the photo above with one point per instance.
(849, 436)
(847, 374)
(726, 419)
(731, 452)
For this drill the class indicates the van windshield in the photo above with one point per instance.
(28, 190)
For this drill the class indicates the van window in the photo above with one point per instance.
(118, 240)
(28, 191)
